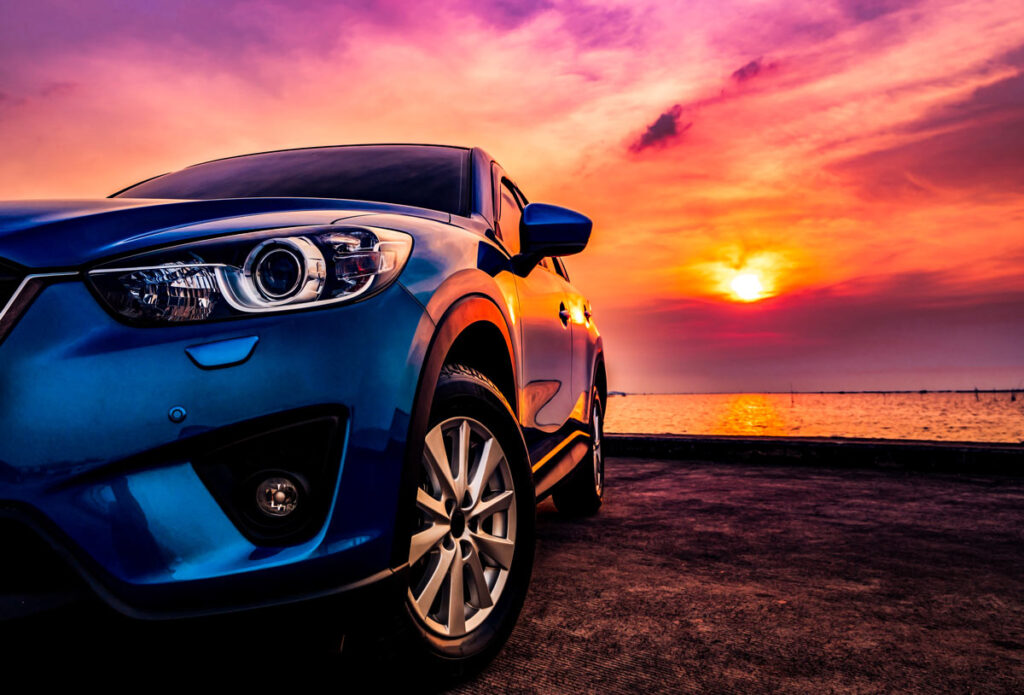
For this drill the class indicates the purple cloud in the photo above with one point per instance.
(665, 128)
(507, 14)
(751, 70)
(971, 145)
(867, 10)
(748, 71)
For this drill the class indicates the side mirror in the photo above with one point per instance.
(549, 230)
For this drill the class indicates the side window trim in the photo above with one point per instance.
(497, 176)
(560, 268)
(500, 182)
(523, 202)
(507, 196)
(507, 184)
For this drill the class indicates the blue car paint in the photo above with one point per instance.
(47, 234)
(81, 390)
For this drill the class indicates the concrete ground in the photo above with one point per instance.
(697, 577)
(720, 578)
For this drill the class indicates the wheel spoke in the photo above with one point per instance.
(498, 549)
(458, 566)
(497, 503)
(425, 540)
(430, 505)
(437, 458)
(426, 598)
(490, 456)
(456, 600)
(480, 596)
(461, 456)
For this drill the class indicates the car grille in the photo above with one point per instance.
(10, 278)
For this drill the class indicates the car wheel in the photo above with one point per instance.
(582, 492)
(471, 548)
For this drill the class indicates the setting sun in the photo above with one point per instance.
(747, 287)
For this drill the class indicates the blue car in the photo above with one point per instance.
(298, 374)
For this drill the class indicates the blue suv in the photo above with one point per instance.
(287, 375)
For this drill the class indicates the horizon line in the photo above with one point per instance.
(1018, 389)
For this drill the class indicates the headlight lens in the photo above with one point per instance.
(258, 272)
(278, 273)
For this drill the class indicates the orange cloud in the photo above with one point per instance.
(815, 143)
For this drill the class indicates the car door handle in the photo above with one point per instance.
(563, 314)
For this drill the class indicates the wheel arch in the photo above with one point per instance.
(483, 346)
(601, 378)
(467, 329)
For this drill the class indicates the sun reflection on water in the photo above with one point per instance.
(992, 417)
(747, 413)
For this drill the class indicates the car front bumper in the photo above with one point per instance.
(92, 459)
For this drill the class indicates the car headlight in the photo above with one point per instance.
(257, 272)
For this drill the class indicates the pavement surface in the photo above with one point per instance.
(694, 577)
(720, 578)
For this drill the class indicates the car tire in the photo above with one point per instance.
(430, 644)
(582, 492)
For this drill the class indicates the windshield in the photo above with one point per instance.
(425, 176)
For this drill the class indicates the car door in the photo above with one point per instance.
(584, 338)
(544, 324)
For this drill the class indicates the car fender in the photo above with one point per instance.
(459, 315)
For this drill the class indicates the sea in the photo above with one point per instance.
(943, 416)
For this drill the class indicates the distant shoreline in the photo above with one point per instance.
(797, 393)
(1002, 458)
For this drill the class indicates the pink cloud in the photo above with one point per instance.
(840, 140)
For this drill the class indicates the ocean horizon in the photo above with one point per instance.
(993, 415)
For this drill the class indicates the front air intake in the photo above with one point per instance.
(275, 478)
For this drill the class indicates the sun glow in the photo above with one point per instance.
(747, 287)
(745, 272)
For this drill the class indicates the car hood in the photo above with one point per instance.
(62, 234)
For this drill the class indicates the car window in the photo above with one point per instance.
(509, 216)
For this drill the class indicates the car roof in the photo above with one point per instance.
(329, 147)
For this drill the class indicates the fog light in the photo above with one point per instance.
(277, 496)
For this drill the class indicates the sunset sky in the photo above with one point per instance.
(860, 163)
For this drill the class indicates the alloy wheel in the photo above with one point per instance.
(462, 548)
